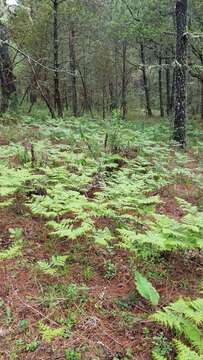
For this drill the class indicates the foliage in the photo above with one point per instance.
(51, 268)
(93, 200)
(12, 180)
(146, 289)
(72, 354)
(48, 333)
(186, 318)
(166, 233)
(15, 249)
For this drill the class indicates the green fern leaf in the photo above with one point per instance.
(146, 289)
(185, 353)
(157, 356)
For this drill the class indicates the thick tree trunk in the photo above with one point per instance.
(8, 86)
(73, 70)
(181, 62)
(57, 96)
(161, 88)
(124, 81)
(145, 82)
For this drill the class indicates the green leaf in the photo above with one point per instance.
(146, 289)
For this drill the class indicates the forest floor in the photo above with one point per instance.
(85, 305)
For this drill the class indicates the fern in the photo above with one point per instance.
(12, 180)
(168, 234)
(48, 334)
(52, 267)
(186, 318)
(157, 356)
(15, 250)
(185, 353)
(103, 237)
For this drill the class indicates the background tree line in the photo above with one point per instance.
(93, 56)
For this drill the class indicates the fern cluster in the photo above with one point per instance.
(186, 318)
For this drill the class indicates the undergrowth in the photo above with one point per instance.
(99, 186)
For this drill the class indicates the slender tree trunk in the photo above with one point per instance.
(73, 70)
(168, 87)
(181, 82)
(87, 104)
(145, 82)
(43, 95)
(124, 81)
(104, 100)
(8, 86)
(172, 97)
(57, 96)
(161, 88)
(116, 77)
(202, 99)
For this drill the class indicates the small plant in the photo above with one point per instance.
(71, 354)
(88, 273)
(161, 344)
(110, 270)
(128, 320)
(51, 268)
(48, 333)
(15, 249)
(8, 315)
(32, 346)
(128, 302)
(24, 325)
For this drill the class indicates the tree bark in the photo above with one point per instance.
(73, 70)
(168, 88)
(116, 76)
(181, 82)
(161, 88)
(87, 103)
(145, 82)
(202, 99)
(104, 100)
(172, 97)
(57, 96)
(8, 86)
(124, 81)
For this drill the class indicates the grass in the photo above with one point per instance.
(79, 198)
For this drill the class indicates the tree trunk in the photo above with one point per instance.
(116, 76)
(172, 97)
(202, 99)
(104, 100)
(124, 81)
(161, 88)
(73, 70)
(8, 86)
(57, 96)
(181, 82)
(145, 82)
(87, 104)
(168, 87)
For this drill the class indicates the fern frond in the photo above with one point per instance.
(157, 356)
(185, 353)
